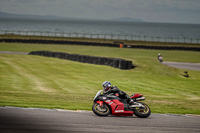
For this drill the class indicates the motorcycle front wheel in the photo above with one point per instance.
(102, 110)
(142, 112)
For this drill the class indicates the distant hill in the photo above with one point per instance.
(4, 15)
(128, 19)
(22, 16)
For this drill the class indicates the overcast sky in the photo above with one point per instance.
(174, 11)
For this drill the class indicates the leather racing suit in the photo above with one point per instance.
(121, 94)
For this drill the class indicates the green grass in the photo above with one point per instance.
(134, 54)
(42, 82)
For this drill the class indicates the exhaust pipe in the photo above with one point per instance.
(136, 105)
(140, 99)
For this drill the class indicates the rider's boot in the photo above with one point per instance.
(130, 101)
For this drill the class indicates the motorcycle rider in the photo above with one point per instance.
(108, 89)
(160, 58)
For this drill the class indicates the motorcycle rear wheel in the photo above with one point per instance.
(104, 110)
(142, 112)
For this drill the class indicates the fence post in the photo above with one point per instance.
(145, 38)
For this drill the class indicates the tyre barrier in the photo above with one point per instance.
(164, 47)
(40, 41)
(113, 62)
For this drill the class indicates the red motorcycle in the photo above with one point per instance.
(105, 104)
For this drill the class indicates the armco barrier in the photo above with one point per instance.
(40, 41)
(113, 62)
(129, 37)
(164, 47)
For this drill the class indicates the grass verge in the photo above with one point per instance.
(41, 82)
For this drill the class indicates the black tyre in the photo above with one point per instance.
(103, 110)
(143, 112)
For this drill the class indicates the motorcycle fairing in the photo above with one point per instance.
(136, 95)
(100, 103)
(118, 108)
(108, 97)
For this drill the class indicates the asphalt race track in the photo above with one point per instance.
(21, 120)
(183, 65)
(9, 52)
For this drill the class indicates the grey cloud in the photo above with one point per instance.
(149, 10)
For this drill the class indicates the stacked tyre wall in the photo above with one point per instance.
(113, 62)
